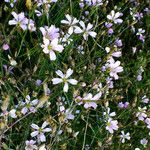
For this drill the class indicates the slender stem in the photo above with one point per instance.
(85, 132)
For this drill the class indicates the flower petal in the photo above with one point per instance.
(73, 81)
(34, 126)
(65, 89)
(69, 73)
(35, 133)
(52, 55)
(57, 80)
(47, 130)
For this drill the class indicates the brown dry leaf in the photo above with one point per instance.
(5, 103)
(42, 101)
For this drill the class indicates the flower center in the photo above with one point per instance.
(40, 130)
(49, 47)
(108, 124)
(64, 79)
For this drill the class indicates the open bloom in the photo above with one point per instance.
(85, 30)
(115, 68)
(30, 145)
(141, 114)
(28, 105)
(90, 101)
(71, 21)
(19, 20)
(50, 46)
(40, 131)
(144, 142)
(64, 79)
(115, 17)
(12, 113)
(50, 33)
(112, 125)
(124, 136)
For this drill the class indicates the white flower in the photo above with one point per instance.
(108, 114)
(114, 68)
(71, 21)
(124, 136)
(12, 113)
(115, 17)
(112, 125)
(140, 31)
(50, 46)
(42, 147)
(40, 131)
(90, 100)
(85, 30)
(64, 79)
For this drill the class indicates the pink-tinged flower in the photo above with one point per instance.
(118, 43)
(144, 142)
(145, 99)
(115, 17)
(126, 104)
(29, 105)
(123, 105)
(19, 20)
(90, 101)
(117, 54)
(30, 145)
(114, 68)
(5, 47)
(141, 114)
(147, 121)
(124, 136)
(40, 131)
(138, 15)
(110, 31)
(85, 30)
(64, 79)
(139, 77)
(49, 47)
(50, 33)
(112, 125)
(108, 25)
(71, 22)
